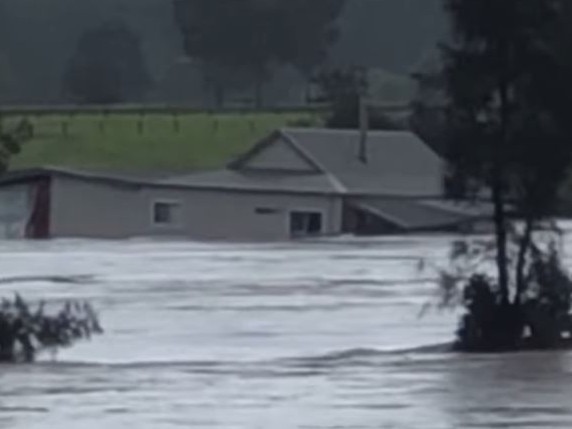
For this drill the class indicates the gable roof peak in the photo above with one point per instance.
(277, 136)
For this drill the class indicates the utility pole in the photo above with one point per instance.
(363, 129)
(363, 117)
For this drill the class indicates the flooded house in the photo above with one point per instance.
(294, 183)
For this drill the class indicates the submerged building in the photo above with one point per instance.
(294, 183)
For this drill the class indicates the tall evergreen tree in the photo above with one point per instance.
(508, 103)
(508, 133)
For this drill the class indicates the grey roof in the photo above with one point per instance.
(24, 175)
(399, 164)
(260, 181)
(219, 180)
(411, 214)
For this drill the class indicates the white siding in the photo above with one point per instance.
(233, 216)
(89, 209)
(92, 209)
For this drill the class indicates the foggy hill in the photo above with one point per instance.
(389, 34)
(37, 37)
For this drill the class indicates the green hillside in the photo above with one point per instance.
(150, 143)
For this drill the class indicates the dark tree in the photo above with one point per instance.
(25, 331)
(311, 29)
(221, 34)
(428, 118)
(343, 89)
(256, 36)
(508, 136)
(107, 66)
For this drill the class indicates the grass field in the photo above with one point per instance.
(151, 143)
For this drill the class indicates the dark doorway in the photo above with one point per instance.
(304, 224)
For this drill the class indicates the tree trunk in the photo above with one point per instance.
(501, 238)
(498, 187)
(524, 247)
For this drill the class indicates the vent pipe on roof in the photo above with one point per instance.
(363, 129)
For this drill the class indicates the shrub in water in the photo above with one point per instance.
(537, 316)
(24, 332)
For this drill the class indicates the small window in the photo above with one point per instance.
(305, 223)
(166, 213)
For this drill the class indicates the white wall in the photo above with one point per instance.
(90, 209)
(232, 216)
(93, 209)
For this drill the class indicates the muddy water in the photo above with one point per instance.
(314, 335)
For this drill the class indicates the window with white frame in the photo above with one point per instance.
(166, 213)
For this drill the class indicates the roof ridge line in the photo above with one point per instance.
(290, 140)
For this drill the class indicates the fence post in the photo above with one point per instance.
(176, 123)
(140, 124)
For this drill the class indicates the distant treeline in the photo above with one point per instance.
(43, 44)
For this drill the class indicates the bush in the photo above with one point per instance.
(25, 332)
(539, 319)
(488, 324)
